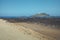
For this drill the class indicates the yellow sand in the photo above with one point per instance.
(10, 32)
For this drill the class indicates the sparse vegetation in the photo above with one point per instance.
(46, 19)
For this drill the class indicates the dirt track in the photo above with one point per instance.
(27, 31)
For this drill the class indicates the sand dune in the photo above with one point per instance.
(26, 31)
(10, 32)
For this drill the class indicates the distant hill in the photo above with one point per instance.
(40, 15)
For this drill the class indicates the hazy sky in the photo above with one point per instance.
(29, 7)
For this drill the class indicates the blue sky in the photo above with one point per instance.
(29, 7)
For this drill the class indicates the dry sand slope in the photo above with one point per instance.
(26, 31)
(8, 31)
